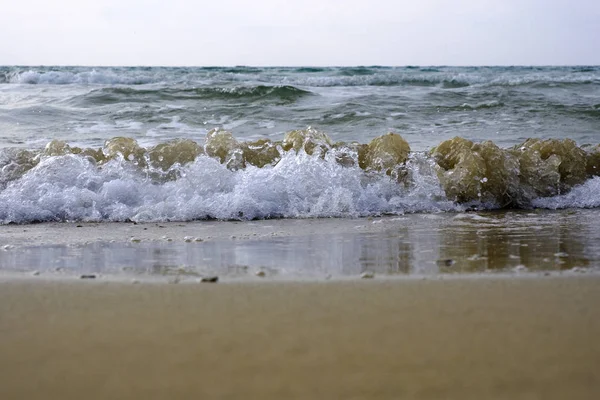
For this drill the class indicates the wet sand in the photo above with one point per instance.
(414, 244)
(440, 338)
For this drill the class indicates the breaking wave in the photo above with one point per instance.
(305, 175)
(111, 95)
(443, 77)
(99, 77)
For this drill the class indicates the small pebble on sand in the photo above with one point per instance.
(448, 262)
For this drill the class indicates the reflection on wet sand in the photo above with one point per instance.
(518, 240)
(419, 244)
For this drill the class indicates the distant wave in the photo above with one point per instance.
(444, 80)
(111, 95)
(357, 71)
(472, 107)
(379, 79)
(242, 70)
(309, 69)
(191, 77)
(444, 77)
(33, 77)
(283, 92)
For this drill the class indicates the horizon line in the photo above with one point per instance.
(299, 65)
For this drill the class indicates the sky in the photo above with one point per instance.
(293, 33)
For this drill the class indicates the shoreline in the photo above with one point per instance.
(255, 278)
(422, 245)
(81, 233)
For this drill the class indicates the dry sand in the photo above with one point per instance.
(464, 338)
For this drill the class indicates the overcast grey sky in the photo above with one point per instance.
(307, 32)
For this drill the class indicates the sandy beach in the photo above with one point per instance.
(443, 338)
(462, 306)
(317, 200)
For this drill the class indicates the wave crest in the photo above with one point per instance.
(110, 95)
(33, 77)
(305, 175)
(443, 77)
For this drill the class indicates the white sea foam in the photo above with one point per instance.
(582, 196)
(84, 77)
(73, 188)
(448, 79)
(445, 77)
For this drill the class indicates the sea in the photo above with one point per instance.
(180, 144)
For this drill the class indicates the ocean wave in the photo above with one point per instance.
(283, 92)
(473, 107)
(357, 71)
(304, 176)
(110, 95)
(310, 69)
(443, 77)
(71, 187)
(445, 80)
(32, 77)
(586, 195)
(242, 70)
(381, 79)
